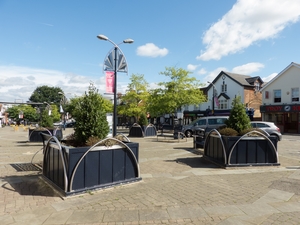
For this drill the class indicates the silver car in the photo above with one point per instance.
(269, 127)
(202, 123)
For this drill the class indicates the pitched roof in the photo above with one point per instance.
(243, 80)
(282, 72)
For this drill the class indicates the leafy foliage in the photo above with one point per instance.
(133, 103)
(29, 113)
(228, 132)
(90, 117)
(174, 94)
(143, 120)
(46, 119)
(46, 94)
(238, 119)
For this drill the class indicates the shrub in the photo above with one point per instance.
(46, 120)
(143, 120)
(90, 117)
(228, 132)
(238, 119)
(245, 131)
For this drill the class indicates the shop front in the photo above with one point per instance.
(285, 116)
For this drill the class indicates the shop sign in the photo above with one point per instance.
(279, 108)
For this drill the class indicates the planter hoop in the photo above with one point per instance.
(222, 143)
(40, 128)
(61, 156)
(246, 135)
(94, 146)
(149, 127)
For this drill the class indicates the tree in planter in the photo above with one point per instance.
(46, 119)
(90, 116)
(238, 119)
(143, 120)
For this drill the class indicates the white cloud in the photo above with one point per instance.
(213, 74)
(248, 22)
(192, 67)
(151, 50)
(18, 83)
(201, 71)
(248, 68)
(270, 77)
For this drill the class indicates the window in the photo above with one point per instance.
(223, 104)
(224, 88)
(201, 122)
(266, 95)
(277, 95)
(295, 94)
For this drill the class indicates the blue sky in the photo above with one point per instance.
(54, 42)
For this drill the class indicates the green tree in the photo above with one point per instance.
(29, 113)
(238, 119)
(46, 94)
(90, 116)
(143, 120)
(133, 103)
(46, 119)
(172, 95)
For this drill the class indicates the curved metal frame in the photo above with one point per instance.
(91, 148)
(124, 136)
(150, 125)
(43, 144)
(137, 125)
(43, 128)
(61, 156)
(220, 137)
(246, 135)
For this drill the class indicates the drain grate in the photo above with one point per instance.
(27, 167)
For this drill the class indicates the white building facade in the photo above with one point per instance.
(280, 103)
(221, 92)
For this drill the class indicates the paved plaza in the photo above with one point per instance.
(178, 187)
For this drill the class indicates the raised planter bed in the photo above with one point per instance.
(241, 150)
(34, 134)
(146, 131)
(76, 170)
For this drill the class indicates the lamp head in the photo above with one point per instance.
(102, 37)
(128, 41)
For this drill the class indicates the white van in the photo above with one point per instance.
(203, 123)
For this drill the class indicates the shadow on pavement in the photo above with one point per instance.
(198, 162)
(28, 185)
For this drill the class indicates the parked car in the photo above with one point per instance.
(200, 124)
(269, 127)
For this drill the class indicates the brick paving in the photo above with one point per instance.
(178, 187)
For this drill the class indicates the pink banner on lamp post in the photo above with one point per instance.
(110, 75)
(217, 101)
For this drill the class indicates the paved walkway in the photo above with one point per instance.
(177, 187)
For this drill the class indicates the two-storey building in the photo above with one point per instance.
(220, 93)
(281, 100)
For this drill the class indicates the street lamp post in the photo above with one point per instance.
(213, 97)
(49, 108)
(63, 110)
(118, 65)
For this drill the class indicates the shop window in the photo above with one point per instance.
(295, 94)
(277, 95)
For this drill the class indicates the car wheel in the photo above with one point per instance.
(188, 133)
